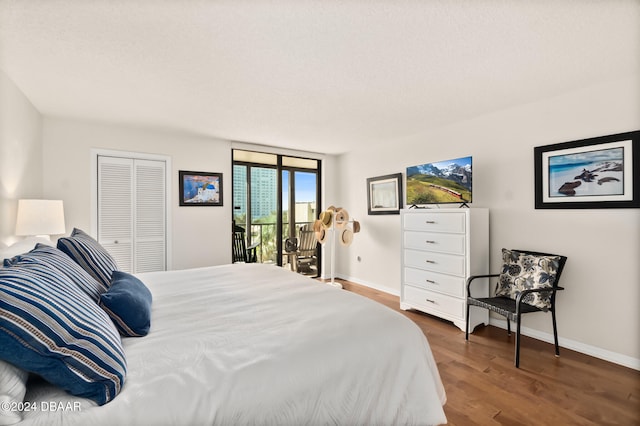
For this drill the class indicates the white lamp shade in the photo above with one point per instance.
(40, 217)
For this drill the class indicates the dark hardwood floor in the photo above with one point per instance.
(484, 388)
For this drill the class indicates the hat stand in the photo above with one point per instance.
(333, 253)
(333, 229)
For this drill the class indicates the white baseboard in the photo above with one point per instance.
(372, 285)
(573, 345)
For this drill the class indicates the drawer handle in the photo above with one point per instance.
(430, 261)
(430, 242)
(431, 282)
(430, 222)
(431, 301)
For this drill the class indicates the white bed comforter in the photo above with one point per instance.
(255, 344)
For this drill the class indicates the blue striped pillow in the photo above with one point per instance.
(89, 254)
(56, 259)
(50, 327)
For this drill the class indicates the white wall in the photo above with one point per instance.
(603, 246)
(200, 235)
(20, 154)
(598, 311)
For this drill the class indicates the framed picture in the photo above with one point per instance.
(200, 188)
(384, 194)
(593, 173)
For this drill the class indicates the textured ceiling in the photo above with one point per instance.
(324, 76)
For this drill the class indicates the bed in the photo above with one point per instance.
(256, 344)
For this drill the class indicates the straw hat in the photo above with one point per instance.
(322, 235)
(326, 217)
(356, 226)
(346, 237)
(342, 218)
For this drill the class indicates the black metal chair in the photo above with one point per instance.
(519, 303)
(242, 253)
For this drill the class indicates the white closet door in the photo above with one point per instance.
(150, 220)
(115, 209)
(132, 212)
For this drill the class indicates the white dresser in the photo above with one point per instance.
(441, 248)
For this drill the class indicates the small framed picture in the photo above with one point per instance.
(593, 173)
(200, 188)
(384, 194)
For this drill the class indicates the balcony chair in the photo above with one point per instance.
(307, 257)
(242, 253)
(528, 283)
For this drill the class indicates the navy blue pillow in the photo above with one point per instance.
(128, 303)
(89, 254)
(50, 327)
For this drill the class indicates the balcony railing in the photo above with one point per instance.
(265, 233)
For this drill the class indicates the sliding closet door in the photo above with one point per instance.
(115, 209)
(132, 212)
(150, 220)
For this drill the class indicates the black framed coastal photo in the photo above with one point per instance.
(384, 194)
(594, 173)
(200, 188)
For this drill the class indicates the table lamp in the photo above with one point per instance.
(41, 218)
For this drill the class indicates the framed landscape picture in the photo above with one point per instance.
(384, 194)
(200, 188)
(599, 172)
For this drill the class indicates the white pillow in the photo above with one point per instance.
(13, 386)
(22, 246)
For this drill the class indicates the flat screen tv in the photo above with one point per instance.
(444, 182)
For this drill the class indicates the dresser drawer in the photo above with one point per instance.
(433, 241)
(429, 301)
(436, 262)
(448, 284)
(436, 222)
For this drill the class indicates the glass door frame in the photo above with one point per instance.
(280, 168)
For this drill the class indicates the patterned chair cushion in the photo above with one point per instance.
(523, 271)
(90, 255)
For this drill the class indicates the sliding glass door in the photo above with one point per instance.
(275, 198)
(300, 199)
